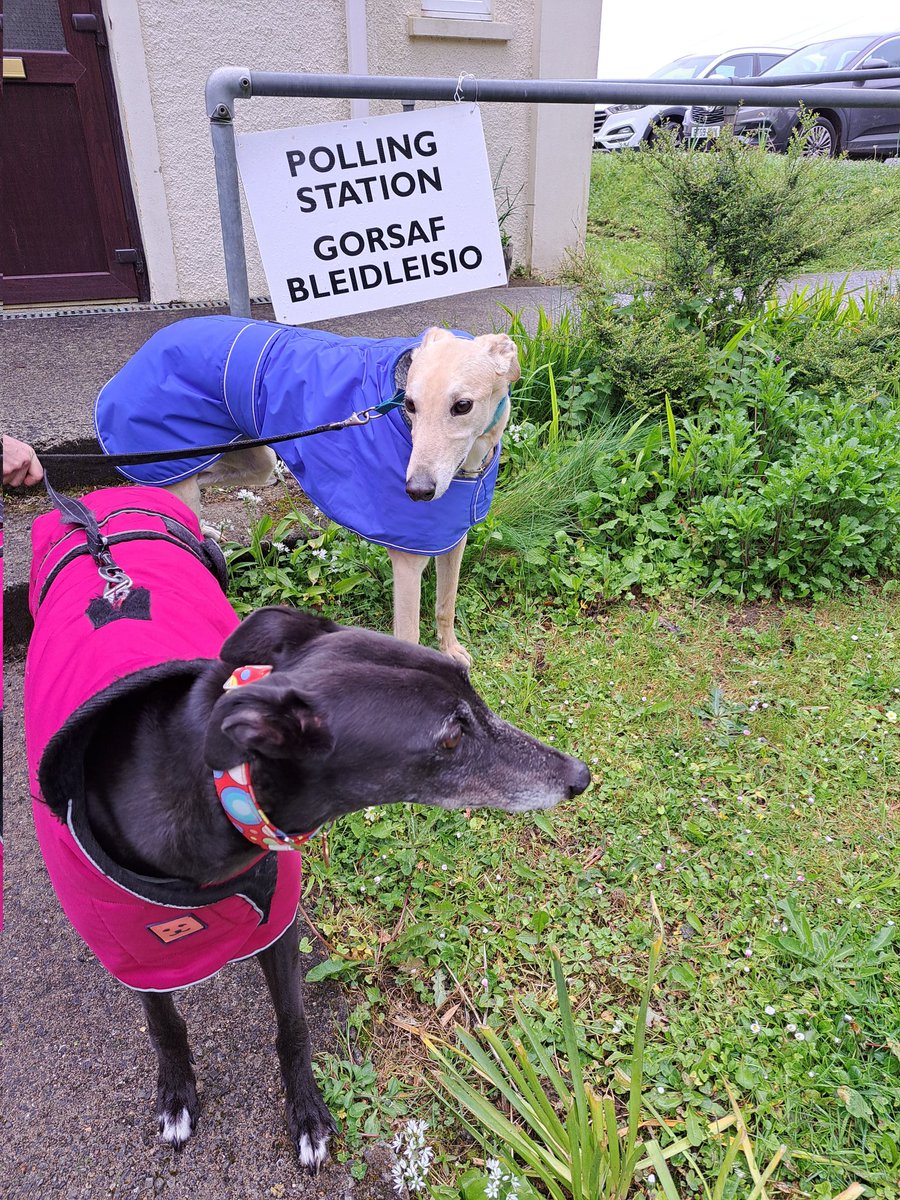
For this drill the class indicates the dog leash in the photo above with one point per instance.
(363, 417)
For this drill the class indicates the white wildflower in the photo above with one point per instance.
(497, 1177)
(413, 1158)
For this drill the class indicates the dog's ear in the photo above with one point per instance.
(501, 350)
(274, 722)
(432, 335)
(272, 635)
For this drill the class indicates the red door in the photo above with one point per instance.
(68, 228)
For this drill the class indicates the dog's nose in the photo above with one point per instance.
(581, 777)
(420, 489)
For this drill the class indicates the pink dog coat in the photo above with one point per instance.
(85, 655)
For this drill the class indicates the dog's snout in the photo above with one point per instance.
(420, 487)
(579, 779)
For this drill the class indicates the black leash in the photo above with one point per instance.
(156, 456)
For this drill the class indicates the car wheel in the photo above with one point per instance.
(670, 127)
(820, 140)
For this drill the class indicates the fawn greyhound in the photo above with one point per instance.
(414, 480)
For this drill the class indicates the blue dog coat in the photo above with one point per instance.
(208, 380)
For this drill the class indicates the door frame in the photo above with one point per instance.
(103, 140)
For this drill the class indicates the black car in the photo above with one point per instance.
(864, 131)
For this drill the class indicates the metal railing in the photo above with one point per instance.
(228, 84)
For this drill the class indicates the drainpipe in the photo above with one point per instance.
(357, 49)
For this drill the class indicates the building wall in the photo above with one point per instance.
(162, 62)
(567, 35)
(506, 126)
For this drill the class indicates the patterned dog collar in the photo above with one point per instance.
(235, 791)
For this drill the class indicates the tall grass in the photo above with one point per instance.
(534, 1110)
(806, 309)
(547, 358)
(541, 497)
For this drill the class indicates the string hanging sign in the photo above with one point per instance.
(366, 214)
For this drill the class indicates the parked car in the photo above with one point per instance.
(617, 126)
(834, 129)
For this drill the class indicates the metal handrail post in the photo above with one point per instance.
(222, 87)
(230, 217)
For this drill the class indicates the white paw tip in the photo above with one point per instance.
(175, 1129)
(310, 1155)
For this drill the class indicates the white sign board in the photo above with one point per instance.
(367, 214)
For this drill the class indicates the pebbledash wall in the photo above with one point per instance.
(162, 54)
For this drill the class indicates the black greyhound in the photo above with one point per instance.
(346, 719)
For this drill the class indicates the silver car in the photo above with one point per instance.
(619, 126)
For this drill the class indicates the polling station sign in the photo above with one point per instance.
(365, 214)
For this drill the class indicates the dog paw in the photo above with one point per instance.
(177, 1109)
(310, 1131)
(458, 653)
(176, 1127)
(210, 531)
(312, 1154)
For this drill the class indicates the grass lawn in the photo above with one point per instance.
(624, 210)
(746, 772)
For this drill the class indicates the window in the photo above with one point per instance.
(688, 67)
(473, 10)
(738, 67)
(834, 55)
(472, 20)
(769, 60)
(889, 52)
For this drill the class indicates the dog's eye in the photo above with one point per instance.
(409, 405)
(461, 407)
(452, 738)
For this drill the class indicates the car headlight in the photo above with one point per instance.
(617, 108)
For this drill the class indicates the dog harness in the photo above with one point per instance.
(89, 653)
(208, 380)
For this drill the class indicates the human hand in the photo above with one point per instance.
(20, 463)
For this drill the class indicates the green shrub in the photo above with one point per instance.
(734, 222)
(738, 221)
(833, 342)
(768, 489)
(646, 352)
(626, 217)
